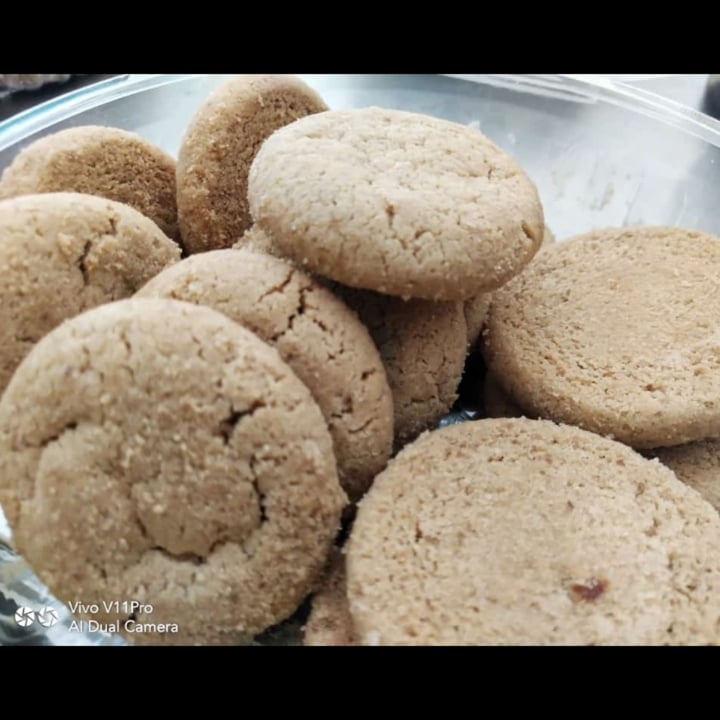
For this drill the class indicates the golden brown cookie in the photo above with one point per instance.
(525, 532)
(616, 331)
(104, 161)
(396, 202)
(156, 451)
(319, 337)
(698, 465)
(423, 346)
(62, 253)
(219, 146)
(330, 622)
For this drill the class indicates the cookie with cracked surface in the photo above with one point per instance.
(63, 253)
(396, 202)
(219, 146)
(615, 331)
(525, 532)
(422, 345)
(698, 465)
(319, 337)
(200, 466)
(104, 161)
(330, 622)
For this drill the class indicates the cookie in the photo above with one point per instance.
(616, 331)
(319, 337)
(496, 402)
(396, 202)
(423, 346)
(220, 144)
(330, 622)
(525, 532)
(104, 161)
(155, 451)
(698, 465)
(63, 253)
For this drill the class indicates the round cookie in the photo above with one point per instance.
(220, 144)
(698, 465)
(330, 622)
(319, 337)
(198, 463)
(63, 253)
(616, 331)
(524, 532)
(396, 202)
(496, 402)
(104, 161)
(423, 346)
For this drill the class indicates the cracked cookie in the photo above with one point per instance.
(319, 337)
(104, 161)
(155, 451)
(396, 202)
(526, 532)
(63, 253)
(615, 331)
(219, 147)
(423, 346)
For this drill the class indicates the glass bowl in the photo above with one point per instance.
(601, 152)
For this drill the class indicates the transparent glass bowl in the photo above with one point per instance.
(601, 152)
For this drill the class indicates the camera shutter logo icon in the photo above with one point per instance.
(24, 617)
(47, 617)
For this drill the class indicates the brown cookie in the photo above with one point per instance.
(423, 347)
(396, 202)
(62, 253)
(616, 331)
(526, 532)
(316, 334)
(698, 465)
(330, 622)
(155, 451)
(422, 344)
(104, 161)
(219, 146)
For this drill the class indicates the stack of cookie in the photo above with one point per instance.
(217, 448)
